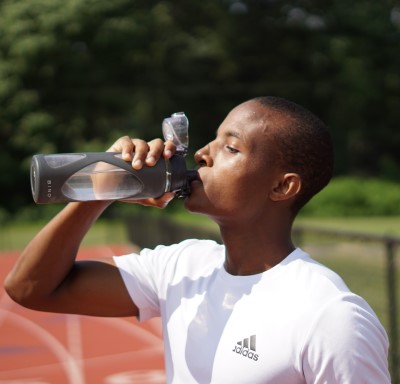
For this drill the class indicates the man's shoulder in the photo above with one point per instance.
(195, 255)
(313, 273)
(190, 247)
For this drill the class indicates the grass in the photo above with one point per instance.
(16, 236)
(373, 225)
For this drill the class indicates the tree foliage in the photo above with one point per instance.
(76, 74)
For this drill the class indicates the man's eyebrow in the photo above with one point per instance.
(233, 133)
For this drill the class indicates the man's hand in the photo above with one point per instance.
(141, 153)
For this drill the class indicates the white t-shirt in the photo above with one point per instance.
(295, 323)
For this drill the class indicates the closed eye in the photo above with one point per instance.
(232, 149)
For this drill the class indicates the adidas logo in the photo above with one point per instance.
(247, 348)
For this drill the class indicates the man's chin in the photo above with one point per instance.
(192, 204)
(188, 203)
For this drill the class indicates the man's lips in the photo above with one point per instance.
(195, 178)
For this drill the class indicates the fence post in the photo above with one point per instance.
(392, 304)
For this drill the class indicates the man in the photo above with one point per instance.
(253, 310)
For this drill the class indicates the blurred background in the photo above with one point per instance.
(77, 74)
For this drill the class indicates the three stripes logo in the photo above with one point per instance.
(247, 348)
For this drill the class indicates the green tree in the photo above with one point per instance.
(76, 74)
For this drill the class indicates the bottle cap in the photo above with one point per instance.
(175, 129)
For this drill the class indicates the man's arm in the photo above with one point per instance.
(47, 276)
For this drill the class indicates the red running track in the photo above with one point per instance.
(43, 348)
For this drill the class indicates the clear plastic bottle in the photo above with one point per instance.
(105, 176)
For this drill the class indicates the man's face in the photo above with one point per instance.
(236, 172)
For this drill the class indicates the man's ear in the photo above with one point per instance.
(286, 187)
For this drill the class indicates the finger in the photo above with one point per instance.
(169, 149)
(125, 146)
(156, 148)
(127, 149)
(141, 149)
(160, 202)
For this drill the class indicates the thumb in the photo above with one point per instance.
(164, 200)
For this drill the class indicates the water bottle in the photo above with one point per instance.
(90, 176)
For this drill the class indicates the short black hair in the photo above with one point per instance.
(304, 147)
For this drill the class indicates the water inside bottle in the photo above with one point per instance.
(102, 181)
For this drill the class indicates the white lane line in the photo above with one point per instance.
(69, 364)
(74, 339)
(106, 360)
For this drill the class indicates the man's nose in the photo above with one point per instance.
(203, 157)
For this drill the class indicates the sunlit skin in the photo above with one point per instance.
(239, 187)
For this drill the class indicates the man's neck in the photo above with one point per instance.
(255, 248)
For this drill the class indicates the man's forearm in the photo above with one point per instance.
(48, 258)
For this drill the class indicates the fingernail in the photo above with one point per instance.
(137, 163)
(151, 159)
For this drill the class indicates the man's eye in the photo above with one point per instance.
(231, 149)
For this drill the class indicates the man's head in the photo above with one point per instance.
(303, 146)
(266, 151)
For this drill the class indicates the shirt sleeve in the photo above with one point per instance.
(346, 344)
(140, 273)
(148, 274)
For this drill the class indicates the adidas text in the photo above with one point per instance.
(245, 352)
(247, 348)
